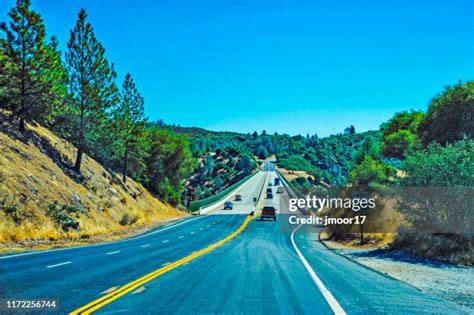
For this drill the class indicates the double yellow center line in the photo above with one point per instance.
(131, 286)
(121, 291)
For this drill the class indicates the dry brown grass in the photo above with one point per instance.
(290, 175)
(32, 179)
(380, 229)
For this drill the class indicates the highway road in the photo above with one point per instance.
(223, 262)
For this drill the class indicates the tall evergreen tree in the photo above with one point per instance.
(5, 63)
(25, 64)
(55, 76)
(129, 120)
(91, 86)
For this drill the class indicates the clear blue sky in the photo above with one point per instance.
(287, 66)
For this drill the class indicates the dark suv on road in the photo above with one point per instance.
(268, 212)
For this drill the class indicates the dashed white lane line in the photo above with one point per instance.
(113, 253)
(101, 244)
(201, 229)
(208, 225)
(333, 303)
(146, 245)
(179, 237)
(192, 232)
(57, 265)
(165, 241)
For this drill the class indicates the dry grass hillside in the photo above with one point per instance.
(43, 202)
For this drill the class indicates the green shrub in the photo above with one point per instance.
(296, 163)
(399, 143)
(14, 209)
(437, 187)
(128, 219)
(370, 171)
(450, 115)
(65, 216)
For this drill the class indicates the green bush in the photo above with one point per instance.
(450, 115)
(127, 219)
(370, 171)
(399, 143)
(65, 216)
(168, 192)
(296, 163)
(14, 209)
(436, 189)
(302, 184)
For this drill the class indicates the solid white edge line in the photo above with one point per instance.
(114, 252)
(60, 264)
(101, 244)
(335, 306)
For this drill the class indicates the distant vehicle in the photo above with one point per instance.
(280, 190)
(228, 205)
(269, 190)
(269, 184)
(277, 181)
(269, 195)
(238, 197)
(268, 212)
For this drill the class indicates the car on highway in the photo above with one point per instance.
(268, 212)
(280, 190)
(269, 190)
(238, 198)
(277, 181)
(269, 195)
(269, 184)
(228, 205)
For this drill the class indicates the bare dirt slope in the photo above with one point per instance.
(42, 201)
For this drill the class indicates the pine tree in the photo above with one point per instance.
(129, 120)
(24, 64)
(55, 76)
(5, 64)
(91, 85)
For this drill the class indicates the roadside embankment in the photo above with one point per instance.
(43, 203)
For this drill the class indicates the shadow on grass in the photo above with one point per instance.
(9, 126)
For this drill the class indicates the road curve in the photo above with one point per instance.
(76, 276)
(258, 271)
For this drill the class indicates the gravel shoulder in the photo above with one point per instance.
(450, 282)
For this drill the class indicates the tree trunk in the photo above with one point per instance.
(21, 126)
(77, 166)
(124, 171)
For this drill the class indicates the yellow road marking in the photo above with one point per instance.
(112, 296)
(131, 286)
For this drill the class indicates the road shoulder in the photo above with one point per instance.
(449, 282)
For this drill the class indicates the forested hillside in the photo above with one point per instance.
(43, 201)
(326, 159)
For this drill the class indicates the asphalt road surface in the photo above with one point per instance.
(264, 269)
